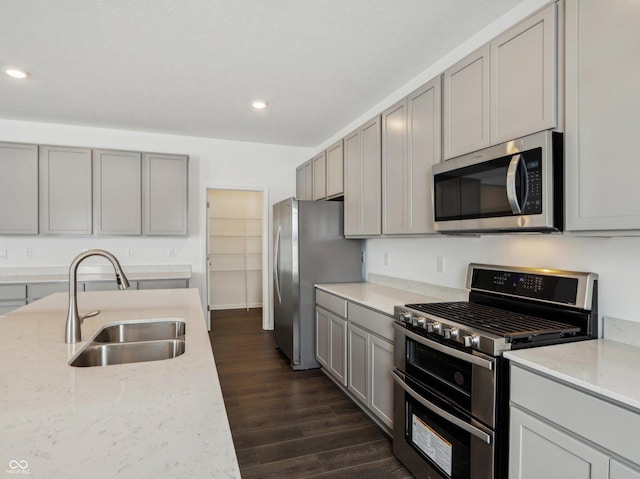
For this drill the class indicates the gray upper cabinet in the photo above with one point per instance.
(117, 192)
(18, 189)
(411, 144)
(319, 168)
(523, 77)
(164, 194)
(335, 170)
(304, 181)
(363, 188)
(602, 105)
(466, 104)
(65, 190)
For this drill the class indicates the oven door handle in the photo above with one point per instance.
(480, 434)
(469, 358)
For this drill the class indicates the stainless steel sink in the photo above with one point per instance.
(96, 354)
(133, 342)
(147, 331)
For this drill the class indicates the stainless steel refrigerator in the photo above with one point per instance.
(309, 248)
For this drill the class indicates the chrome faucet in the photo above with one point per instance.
(73, 333)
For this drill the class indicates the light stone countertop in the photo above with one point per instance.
(376, 296)
(602, 367)
(140, 420)
(56, 274)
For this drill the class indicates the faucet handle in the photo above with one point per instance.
(89, 315)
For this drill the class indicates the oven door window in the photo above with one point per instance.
(443, 444)
(443, 374)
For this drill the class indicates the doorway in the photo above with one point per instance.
(237, 245)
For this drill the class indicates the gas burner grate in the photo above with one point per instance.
(500, 322)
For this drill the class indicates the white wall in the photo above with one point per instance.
(212, 164)
(615, 260)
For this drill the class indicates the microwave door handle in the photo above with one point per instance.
(512, 195)
(480, 434)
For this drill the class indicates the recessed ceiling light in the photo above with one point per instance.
(15, 73)
(259, 105)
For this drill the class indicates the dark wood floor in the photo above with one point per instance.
(291, 424)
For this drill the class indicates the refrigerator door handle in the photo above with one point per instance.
(276, 265)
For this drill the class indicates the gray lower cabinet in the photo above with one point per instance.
(164, 194)
(411, 144)
(163, 283)
(602, 119)
(105, 286)
(559, 432)
(117, 192)
(18, 189)
(65, 190)
(331, 343)
(369, 376)
(363, 183)
(12, 296)
(36, 291)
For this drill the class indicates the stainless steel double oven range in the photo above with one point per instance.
(451, 382)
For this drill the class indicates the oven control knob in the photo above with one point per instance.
(470, 340)
(432, 327)
(449, 332)
(406, 317)
(420, 321)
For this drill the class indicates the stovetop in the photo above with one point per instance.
(511, 308)
(496, 321)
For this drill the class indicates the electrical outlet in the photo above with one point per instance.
(3, 253)
(440, 264)
(386, 259)
(28, 253)
(171, 252)
(130, 252)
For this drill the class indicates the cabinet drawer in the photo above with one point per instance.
(37, 291)
(604, 423)
(373, 321)
(163, 284)
(13, 291)
(331, 303)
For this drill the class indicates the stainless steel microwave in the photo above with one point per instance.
(515, 186)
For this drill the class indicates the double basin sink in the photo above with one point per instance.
(133, 342)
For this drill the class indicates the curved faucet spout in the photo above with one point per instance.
(73, 333)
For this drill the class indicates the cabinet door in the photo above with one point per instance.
(117, 192)
(322, 337)
(308, 180)
(65, 190)
(335, 167)
(18, 189)
(602, 115)
(466, 104)
(523, 77)
(395, 177)
(163, 284)
(301, 191)
(538, 450)
(620, 471)
(371, 178)
(358, 349)
(164, 194)
(319, 167)
(352, 184)
(338, 348)
(381, 364)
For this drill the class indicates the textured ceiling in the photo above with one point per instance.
(193, 67)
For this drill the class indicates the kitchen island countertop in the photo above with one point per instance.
(139, 420)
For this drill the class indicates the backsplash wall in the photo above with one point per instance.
(615, 260)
